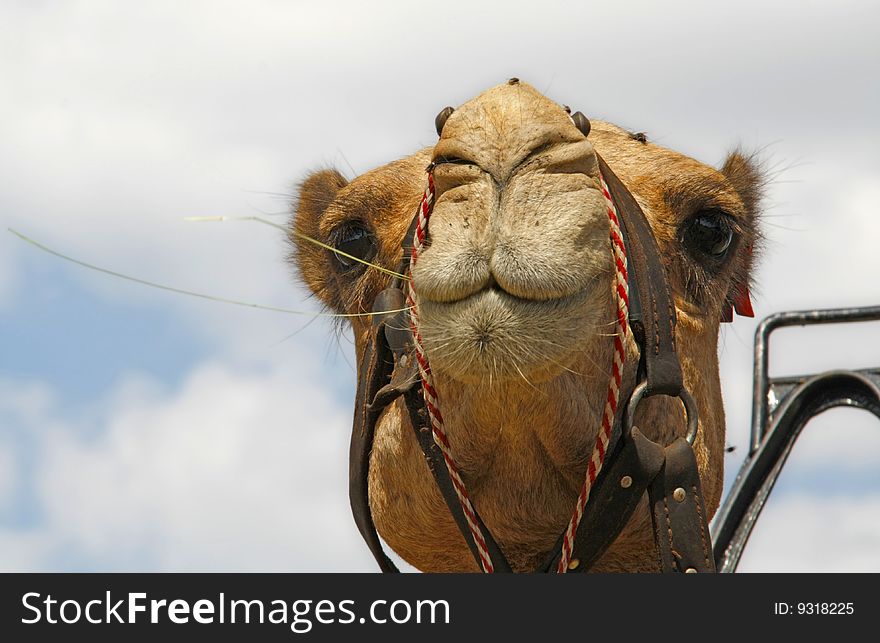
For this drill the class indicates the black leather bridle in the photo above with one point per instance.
(634, 464)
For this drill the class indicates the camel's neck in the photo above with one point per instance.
(507, 431)
(522, 447)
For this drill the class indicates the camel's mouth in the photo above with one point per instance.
(493, 335)
(493, 286)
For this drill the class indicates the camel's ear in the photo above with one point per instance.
(316, 193)
(744, 173)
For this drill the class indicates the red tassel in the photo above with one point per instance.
(742, 302)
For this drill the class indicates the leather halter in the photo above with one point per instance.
(634, 464)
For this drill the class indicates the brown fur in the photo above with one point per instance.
(515, 294)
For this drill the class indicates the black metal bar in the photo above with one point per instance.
(761, 386)
(774, 434)
(755, 480)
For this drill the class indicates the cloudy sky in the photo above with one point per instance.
(142, 430)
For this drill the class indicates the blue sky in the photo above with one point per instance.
(144, 430)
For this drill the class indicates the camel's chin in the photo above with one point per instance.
(493, 337)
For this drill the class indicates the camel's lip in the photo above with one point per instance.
(492, 286)
(494, 294)
(493, 289)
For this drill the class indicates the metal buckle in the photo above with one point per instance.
(690, 410)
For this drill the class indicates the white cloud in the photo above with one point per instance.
(798, 533)
(28, 401)
(235, 471)
(9, 473)
(822, 237)
(25, 550)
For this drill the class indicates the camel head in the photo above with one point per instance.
(515, 295)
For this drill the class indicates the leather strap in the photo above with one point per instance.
(381, 381)
(632, 466)
(404, 382)
(679, 515)
(434, 457)
(651, 310)
(376, 365)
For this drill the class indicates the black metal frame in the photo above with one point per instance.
(780, 409)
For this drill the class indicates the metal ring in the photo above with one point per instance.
(690, 410)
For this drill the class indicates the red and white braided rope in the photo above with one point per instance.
(594, 466)
(432, 401)
(430, 391)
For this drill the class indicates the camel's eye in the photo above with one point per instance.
(708, 233)
(353, 241)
